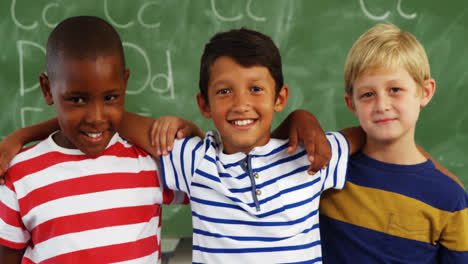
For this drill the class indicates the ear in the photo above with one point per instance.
(45, 87)
(282, 99)
(428, 91)
(349, 103)
(203, 106)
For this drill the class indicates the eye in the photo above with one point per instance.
(395, 89)
(110, 97)
(76, 100)
(223, 91)
(256, 89)
(367, 95)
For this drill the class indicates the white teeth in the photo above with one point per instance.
(243, 122)
(94, 135)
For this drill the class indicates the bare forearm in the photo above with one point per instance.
(10, 256)
(356, 138)
(35, 132)
(136, 129)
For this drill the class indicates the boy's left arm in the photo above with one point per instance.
(454, 236)
(301, 125)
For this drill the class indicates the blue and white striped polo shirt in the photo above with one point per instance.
(260, 207)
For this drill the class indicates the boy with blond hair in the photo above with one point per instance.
(397, 207)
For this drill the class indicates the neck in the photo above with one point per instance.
(403, 152)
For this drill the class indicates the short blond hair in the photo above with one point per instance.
(387, 46)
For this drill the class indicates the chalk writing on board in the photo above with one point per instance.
(239, 16)
(44, 14)
(131, 23)
(15, 20)
(150, 79)
(386, 14)
(21, 44)
(168, 77)
(27, 109)
(35, 24)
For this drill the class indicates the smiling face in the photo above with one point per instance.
(89, 101)
(388, 103)
(241, 102)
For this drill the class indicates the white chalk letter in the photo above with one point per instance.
(112, 21)
(371, 16)
(168, 77)
(17, 23)
(20, 45)
(140, 16)
(251, 15)
(148, 66)
(223, 18)
(28, 109)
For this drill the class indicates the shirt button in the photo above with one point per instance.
(256, 175)
(259, 192)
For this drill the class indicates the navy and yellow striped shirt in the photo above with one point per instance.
(391, 213)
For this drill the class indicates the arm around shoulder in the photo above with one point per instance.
(156, 136)
(10, 255)
(13, 143)
(356, 138)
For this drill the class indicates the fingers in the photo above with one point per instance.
(155, 137)
(293, 141)
(186, 131)
(165, 132)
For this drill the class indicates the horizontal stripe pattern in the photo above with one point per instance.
(380, 210)
(70, 207)
(234, 224)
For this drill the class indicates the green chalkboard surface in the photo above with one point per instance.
(163, 41)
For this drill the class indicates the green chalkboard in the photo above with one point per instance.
(163, 41)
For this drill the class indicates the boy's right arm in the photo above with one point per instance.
(10, 255)
(13, 143)
(156, 136)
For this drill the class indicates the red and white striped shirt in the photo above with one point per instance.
(68, 207)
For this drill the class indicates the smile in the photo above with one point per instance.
(242, 122)
(93, 135)
(385, 121)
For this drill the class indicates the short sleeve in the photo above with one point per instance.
(335, 173)
(13, 233)
(179, 166)
(454, 237)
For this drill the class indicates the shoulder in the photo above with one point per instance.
(120, 147)
(189, 144)
(422, 182)
(275, 151)
(449, 191)
(338, 141)
(32, 152)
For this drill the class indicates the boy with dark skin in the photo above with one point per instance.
(84, 194)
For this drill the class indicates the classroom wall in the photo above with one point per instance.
(164, 39)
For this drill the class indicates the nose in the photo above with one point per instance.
(383, 103)
(241, 102)
(95, 114)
